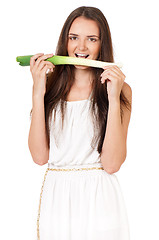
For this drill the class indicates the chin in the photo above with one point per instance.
(81, 67)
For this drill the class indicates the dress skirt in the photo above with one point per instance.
(81, 205)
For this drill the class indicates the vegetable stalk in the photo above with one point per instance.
(60, 60)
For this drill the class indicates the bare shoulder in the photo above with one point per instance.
(127, 91)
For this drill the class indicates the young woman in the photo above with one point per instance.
(79, 125)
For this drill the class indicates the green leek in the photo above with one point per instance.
(60, 60)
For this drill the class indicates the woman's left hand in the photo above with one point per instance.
(115, 80)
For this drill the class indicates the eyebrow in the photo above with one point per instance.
(87, 36)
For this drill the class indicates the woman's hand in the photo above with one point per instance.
(115, 80)
(38, 68)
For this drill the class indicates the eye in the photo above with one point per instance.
(73, 38)
(92, 39)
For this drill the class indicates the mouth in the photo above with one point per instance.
(81, 55)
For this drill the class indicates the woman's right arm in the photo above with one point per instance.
(37, 140)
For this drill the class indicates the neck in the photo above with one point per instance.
(83, 78)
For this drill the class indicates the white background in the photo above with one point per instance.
(29, 27)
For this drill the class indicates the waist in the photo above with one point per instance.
(93, 166)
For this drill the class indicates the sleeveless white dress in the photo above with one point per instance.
(79, 204)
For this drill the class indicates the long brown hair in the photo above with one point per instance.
(59, 82)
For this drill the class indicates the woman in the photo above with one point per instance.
(79, 125)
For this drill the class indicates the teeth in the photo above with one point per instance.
(81, 55)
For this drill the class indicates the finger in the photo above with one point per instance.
(111, 75)
(108, 77)
(33, 58)
(44, 63)
(42, 58)
(115, 69)
(45, 69)
(49, 70)
(108, 66)
(114, 72)
(50, 63)
(108, 72)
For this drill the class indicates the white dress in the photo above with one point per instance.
(79, 204)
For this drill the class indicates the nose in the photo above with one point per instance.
(82, 45)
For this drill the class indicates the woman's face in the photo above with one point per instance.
(83, 39)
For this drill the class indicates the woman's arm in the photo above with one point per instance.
(114, 148)
(37, 140)
(37, 135)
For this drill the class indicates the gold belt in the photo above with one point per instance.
(74, 169)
